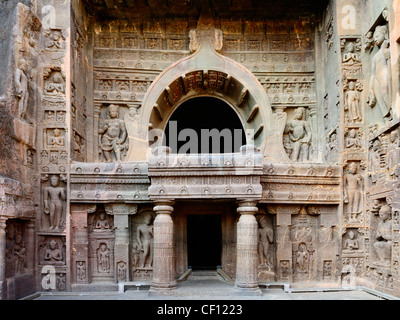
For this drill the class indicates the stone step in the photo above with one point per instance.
(203, 275)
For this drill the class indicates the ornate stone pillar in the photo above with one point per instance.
(247, 257)
(164, 277)
(2, 257)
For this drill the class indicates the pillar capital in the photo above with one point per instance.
(247, 207)
(164, 207)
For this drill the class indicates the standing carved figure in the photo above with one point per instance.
(299, 132)
(145, 240)
(352, 103)
(113, 135)
(265, 238)
(392, 158)
(103, 258)
(19, 254)
(302, 258)
(375, 161)
(54, 197)
(380, 87)
(353, 186)
(21, 87)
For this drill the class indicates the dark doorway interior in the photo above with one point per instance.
(205, 113)
(204, 241)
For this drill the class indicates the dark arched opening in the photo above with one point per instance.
(204, 125)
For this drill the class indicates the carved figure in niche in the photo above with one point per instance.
(284, 269)
(61, 282)
(113, 135)
(302, 258)
(384, 237)
(392, 157)
(375, 161)
(57, 139)
(102, 223)
(352, 103)
(56, 86)
(350, 57)
(103, 258)
(145, 241)
(353, 188)
(121, 272)
(352, 140)
(54, 197)
(327, 273)
(21, 87)
(77, 144)
(56, 39)
(81, 270)
(53, 253)
(332, 150)
(299, 132)
(19, 254)
(29, 157)
(380, 83)
(265, 238)
(351, 243)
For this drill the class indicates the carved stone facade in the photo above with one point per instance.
(92, 195)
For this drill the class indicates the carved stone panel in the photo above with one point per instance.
(101, 246)
(16, 248)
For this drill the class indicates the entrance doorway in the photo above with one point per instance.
(204, 125)
(204, 241)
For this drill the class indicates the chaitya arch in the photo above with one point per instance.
(208, 73)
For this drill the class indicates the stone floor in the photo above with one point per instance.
(206, 286)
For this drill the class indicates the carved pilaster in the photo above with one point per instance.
(2, 256)
(96, 121)
(30, 245)
(247, 241)
(121, 247)
(80, 242)
(164, 259)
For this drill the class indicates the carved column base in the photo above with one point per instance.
(247, 255)
(164, 278)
